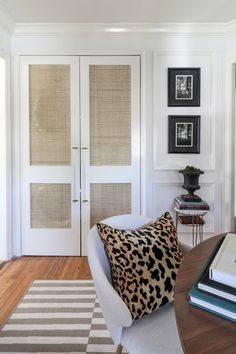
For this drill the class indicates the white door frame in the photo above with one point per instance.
(145, 111)
(5, 162)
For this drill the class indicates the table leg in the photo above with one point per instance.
(193, 231)
(201, 234)
(197, 234)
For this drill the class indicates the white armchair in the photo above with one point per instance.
(153, 334)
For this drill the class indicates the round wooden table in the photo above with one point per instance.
(200, 331)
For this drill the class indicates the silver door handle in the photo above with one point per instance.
(74, 186)
(84, 181)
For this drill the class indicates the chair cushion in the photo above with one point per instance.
(144, 263)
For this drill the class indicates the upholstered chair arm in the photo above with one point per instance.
(115, 311)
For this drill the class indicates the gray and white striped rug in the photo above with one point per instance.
(57, 317)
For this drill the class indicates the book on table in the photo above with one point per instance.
(223, 266)
(208, 285)
(218, 300)
(214, 304)
(182, 205)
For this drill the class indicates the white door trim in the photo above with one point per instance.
(5, 162)
(16, 157)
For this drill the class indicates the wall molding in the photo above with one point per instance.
(122, 29)
(230, 28)
(160, 109)
(161, 29)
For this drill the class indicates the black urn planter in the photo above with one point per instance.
(191, 184)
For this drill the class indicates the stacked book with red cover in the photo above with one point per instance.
(182, 205)
(215, 288)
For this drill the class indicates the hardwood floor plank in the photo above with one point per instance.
(17, 275)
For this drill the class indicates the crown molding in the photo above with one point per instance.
(231, 28)
(121, 29)
(6, 22)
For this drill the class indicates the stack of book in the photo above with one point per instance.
(182, 205)
(215, 288)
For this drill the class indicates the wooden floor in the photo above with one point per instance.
(17, 275)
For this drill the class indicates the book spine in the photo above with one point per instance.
(212, 300)
(212, 311)
(192, 207)
(223, 277)
(217, 292)
(182, 205)
(181, 201)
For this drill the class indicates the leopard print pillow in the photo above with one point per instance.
(144, 263)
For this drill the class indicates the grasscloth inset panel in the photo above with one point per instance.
(50, 205)
(110, 115)
(50, 114)
(109, 199)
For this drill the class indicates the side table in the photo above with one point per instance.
(194, 218)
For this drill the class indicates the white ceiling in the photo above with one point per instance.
(126, 11)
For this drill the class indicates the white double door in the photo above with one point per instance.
(80, 147)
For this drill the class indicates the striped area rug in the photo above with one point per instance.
(57, 317)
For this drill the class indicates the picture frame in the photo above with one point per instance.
(184, 87)
(184, 134)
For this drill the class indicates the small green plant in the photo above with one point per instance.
(191, 169)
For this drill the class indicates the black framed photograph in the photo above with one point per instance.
(184, 87)
(183, 134)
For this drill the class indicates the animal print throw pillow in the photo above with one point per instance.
(144, 263)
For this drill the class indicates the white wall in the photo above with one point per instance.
(161, 180)
(230, 124)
